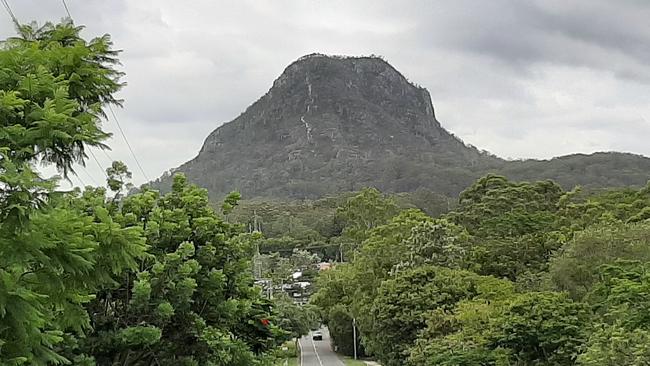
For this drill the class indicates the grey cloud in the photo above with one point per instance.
(521, 79)
(521, 33)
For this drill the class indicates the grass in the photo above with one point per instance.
(290, 362)
(291, 355)
(293, 361)
(352, 362)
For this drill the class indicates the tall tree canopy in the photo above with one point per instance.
(517, 274)
(55, 256)
(84, 279)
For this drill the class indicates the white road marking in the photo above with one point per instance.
(316, 352)
(300, 348)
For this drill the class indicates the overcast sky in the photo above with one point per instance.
(518, 78)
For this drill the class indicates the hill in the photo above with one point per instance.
(331, 124)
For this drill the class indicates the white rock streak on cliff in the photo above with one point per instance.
(310, 101)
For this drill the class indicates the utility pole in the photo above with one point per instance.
(354, 335)
(257, 263)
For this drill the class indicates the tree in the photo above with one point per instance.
(576, 266)
(496, 207)
(621, 305)
(460, 337)
(582, 208)
(365, 211)
(384, 250)
(504, 328)
(402, 304)
(335, 290)
(514, 224)
(613, 346)
(230, 202)
(516, 258)
(297, 320)
(340, 327)
(433, 204)
(380, 256)
(192, 301)
(620, 297)
(139, 280)
(53, 88)
(53, 85)
(439, 242)
(541, 328)
(118, 176)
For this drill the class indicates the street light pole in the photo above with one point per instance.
(354, 335)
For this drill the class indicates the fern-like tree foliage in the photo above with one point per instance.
(91, 280)
(54, 256)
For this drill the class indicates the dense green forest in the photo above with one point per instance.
(317, 225)
(516, 274)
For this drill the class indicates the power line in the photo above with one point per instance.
(117, 122)
(91, 177)
(97, 161)
(66, 9)
(127, 142)
(11, 13)
(110, 160)
(83, 184)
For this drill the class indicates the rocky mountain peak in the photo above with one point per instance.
(330, 124)
(370, 77)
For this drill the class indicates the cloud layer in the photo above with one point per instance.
(518, 78)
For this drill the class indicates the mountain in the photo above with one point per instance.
(330, 124)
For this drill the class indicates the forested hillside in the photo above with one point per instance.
(318, 224)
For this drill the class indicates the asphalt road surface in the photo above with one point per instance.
(318, 353)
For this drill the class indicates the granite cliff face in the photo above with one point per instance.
(331, 124)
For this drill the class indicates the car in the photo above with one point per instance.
(317, 336)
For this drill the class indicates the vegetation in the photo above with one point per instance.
(318, 225)
(352, 362)
(89, 279)
(516, 274)
(288, 355)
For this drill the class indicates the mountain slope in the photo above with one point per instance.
(597, 170)
(331, 124)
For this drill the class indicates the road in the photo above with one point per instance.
(318, 353)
